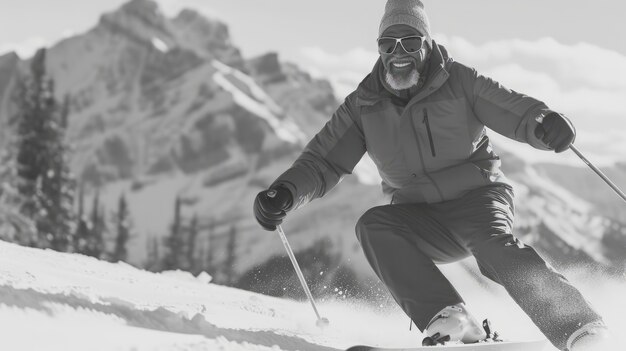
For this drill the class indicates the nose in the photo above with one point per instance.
(399, 49)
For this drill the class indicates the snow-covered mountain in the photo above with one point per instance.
(151, 94)
(167, 107)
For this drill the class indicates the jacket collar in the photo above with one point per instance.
(371, 90)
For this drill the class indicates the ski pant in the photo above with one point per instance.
(404, 242)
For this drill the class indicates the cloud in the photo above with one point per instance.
(590, 107)
(358, 59)
(344, 70)
(582, 63)
(583, 81)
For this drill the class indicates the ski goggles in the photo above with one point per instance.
(410, 44)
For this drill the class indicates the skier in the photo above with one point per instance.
(421, 116)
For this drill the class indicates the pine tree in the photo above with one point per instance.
(123, 230)
(209, 265)
(175, 242)
(229, 263)
(58, 187)
(83, 231)
(44, 181)
(194, 264)
(200, 261)
(152, 262)
(94, 245)
(14, 226)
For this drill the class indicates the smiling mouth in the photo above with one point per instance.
(401, 64)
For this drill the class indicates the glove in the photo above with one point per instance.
(556, 131)
(270, 211)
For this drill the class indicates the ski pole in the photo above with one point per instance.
(321, 321)
(606, 179)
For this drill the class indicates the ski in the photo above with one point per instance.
(537, 345)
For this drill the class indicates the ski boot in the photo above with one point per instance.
(455, 324)
(591, 337)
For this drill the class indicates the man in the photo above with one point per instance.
(421, 117)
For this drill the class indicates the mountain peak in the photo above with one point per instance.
(207, 35)
(189, 15)
(141, 7)
(192, 21)
(139, 20)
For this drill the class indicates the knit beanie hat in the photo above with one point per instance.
(409, 12)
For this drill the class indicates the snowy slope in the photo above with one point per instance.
(56, 301)
(74, 302)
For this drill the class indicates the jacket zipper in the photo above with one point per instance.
(430, 134)
(439, 192)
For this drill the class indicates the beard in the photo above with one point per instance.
(402, 81)
(404, 77)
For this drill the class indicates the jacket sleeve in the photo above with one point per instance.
(330, 155)
(504, 110)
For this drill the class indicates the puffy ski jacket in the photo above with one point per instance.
(433, 148)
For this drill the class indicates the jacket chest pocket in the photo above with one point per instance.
(442, 130)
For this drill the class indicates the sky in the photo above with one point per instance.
(569, 54)
(285, 25)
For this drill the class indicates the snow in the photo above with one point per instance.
(76, 302)
(159, 44)
(60, 301)
(256, 101)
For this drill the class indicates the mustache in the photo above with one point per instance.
(403, 60)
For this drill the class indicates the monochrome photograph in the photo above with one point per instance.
(265, 175)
